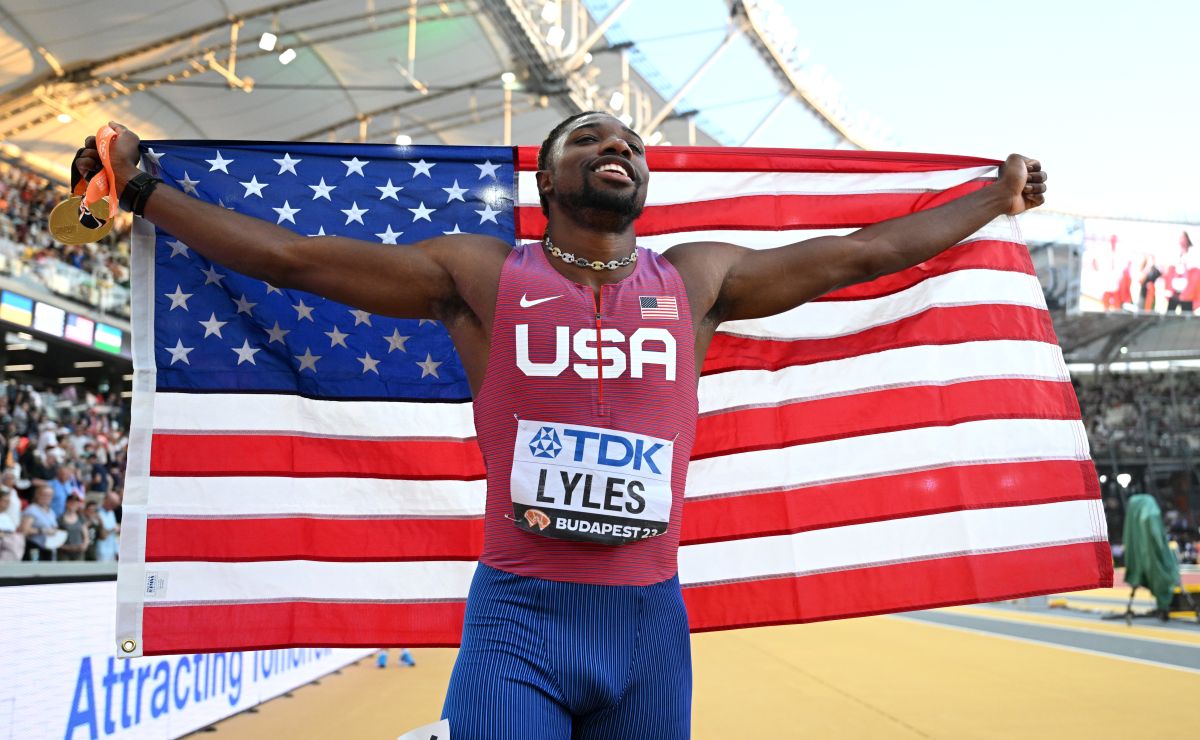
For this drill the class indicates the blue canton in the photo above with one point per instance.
(217, 330)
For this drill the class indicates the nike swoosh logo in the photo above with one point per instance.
(526, 303)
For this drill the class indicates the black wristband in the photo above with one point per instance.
(137, 192)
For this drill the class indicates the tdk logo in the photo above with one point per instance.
(610, 450)
(545, 443)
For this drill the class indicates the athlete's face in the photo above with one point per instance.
(599, 165)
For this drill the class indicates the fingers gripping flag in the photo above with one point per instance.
(305, 473)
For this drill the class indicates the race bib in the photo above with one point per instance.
(590, 484)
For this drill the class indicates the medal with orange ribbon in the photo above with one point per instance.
(87, 216)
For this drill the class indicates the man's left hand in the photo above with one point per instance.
(1024, 179)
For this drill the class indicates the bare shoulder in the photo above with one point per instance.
(454, 250)
(703, 267)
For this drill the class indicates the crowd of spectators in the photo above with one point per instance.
(26, 200)
(1140, 414)
(1136, 420)
(63, 454)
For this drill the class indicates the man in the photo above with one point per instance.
(12, 542)
(575, 625)
(64, 484)
(108, 541)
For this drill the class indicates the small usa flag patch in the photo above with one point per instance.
(658, 307)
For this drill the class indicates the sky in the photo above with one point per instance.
(1104, 93)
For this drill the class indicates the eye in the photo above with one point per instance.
(585, 138)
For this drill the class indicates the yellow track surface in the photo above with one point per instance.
(880, 677)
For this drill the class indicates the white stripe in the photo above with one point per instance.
(826, 319)
(1002, 229)
(906, 366)
(870, 455)
(189, 582)
(248, 497)
(895, 540)
(667, 188)
(267, 412)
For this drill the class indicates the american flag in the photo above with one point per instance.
(305, 473)
(658, 307)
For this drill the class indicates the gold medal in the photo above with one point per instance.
(65, 225)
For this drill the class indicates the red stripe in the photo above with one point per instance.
(704, 520)
(259, 455)
(919, 493)
(770, 212)
(918, 585)
(852, 593)
(875, 412)
(221, 627)
(984, 254)
(312, 538)
(933, 326)
(760, 159)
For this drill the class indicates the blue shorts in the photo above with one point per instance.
(568, 661)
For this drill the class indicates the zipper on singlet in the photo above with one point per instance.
(599, 351)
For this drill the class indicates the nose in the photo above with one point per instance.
(616, 145)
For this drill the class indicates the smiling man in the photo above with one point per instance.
(583, 353)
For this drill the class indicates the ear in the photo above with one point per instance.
(545, 183)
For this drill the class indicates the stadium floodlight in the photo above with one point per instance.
(555, 35)
(287, 56)
(550, 11)
(17, 368)
(71, 380)
(508, 78)
(403, 139)
(617, 100)
(84, 364)
(266, 42)
(654, 138)
(65, 118)
(1124, 479)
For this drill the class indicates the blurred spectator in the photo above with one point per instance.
(99, 477)
(91, 519)
(73, 524)
(12, 543)
(37, 523)
(64, 485)
(108, 534)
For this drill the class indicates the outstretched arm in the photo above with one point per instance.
(746, 283)
(408, 283)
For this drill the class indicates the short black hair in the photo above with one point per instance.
(543, 159)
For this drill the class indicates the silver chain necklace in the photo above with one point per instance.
(584, 262)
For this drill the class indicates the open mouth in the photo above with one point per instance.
(614, 172)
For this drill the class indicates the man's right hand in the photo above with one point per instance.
(124, 155)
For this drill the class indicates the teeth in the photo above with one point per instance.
(611, 168)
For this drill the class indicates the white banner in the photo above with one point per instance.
(60, 679)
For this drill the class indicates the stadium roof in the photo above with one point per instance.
(363, 71)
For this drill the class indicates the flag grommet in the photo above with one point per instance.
(128, 646)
